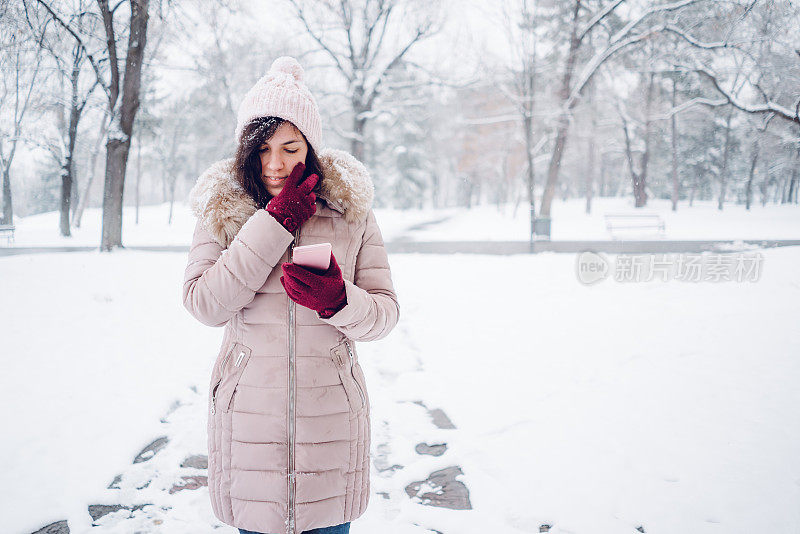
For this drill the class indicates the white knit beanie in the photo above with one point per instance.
(282, 93)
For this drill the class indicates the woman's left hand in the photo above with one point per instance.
(322, 291)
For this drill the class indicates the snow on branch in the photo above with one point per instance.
(767, 107)
(419, 35)
(489, 120)
(382, 18)
(81, 45)
(689, 104)
(662, 8)
(620, 40)
(599, 16)
(694, 42)
(301, 14)
(599, 58)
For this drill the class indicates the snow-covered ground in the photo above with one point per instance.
(506, 223)
(571, 222)
(41, 230)
(595, 409)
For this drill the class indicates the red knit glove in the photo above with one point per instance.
(295, 204)
(322, 291)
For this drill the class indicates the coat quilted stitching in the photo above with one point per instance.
(232, 281)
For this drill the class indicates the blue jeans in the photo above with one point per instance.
(344, 528)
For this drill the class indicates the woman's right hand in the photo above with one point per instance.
(296, 203)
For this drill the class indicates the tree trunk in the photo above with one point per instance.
(749, 187)
(528, 124)
(723, 178)
(563, 123)
(116, 162)
(75, 195)
(357, 143)
(640, 180)
(629, 154)
(590, 157)
(792, 195)
(68, 167)
(435, 189)
(602, 190)
(76, 217)
(67, 171)
(359, 121)
(138, 173)
(590, 170)
(784, 189)
(8, 205)
(163, 184)
(171, 200)
(674, 128)
(66, 197)
(119, 142)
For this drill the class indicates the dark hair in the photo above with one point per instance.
(247, 162)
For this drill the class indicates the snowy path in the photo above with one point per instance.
(594, 409)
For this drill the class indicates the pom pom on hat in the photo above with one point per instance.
(282, 93)
(288, 65)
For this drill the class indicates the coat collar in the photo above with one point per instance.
(223, 206)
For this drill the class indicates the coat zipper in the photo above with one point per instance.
(216, 387)
(290, 424)
(352, 372)
(237, 363)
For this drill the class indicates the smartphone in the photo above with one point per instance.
(316, 256)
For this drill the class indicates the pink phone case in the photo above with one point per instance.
(317, 256)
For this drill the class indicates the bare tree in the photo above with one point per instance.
(172, 132)
(123, 113)
(92, 168)
(726, 158)
(22, 58)
(122, 92)
(520, 22)
(570, 91)
(69, 62)
(768, 105)
(591, 146)
(673, 123)
(360, 39)
(639, 177)
(753, 59)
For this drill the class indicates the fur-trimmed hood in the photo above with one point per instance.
(223, 206)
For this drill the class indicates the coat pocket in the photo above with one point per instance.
(231, 371)
(344, 360)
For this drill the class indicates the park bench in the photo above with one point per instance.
(634, 221)
(7, 230)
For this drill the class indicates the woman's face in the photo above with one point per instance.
(280, 154)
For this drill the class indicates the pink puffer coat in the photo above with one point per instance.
(288, 420)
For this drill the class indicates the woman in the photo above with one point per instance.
(288, 423)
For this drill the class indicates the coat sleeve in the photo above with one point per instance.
(219, 282)
(372, 310)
